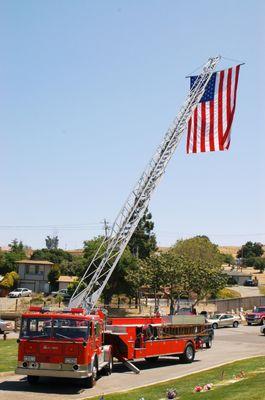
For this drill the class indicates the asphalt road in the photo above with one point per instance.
(230, 344)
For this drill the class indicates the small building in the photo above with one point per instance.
(237, 277)
(33, 274)
(65, 280)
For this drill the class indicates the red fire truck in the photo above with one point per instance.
(73, 344)
(77, 343)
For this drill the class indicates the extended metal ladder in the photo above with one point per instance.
(112, 247)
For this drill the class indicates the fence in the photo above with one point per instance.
(13, 305)
(221, 305)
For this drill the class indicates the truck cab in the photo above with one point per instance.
(257, 316)
(62, 344)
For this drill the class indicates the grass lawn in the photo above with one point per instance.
(8, 355)
(230, 383)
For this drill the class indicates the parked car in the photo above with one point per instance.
(256, 317)
(262, 329)
(20, 292)
(5, 326)
(220, 320)
(251, 282)
(62, 292)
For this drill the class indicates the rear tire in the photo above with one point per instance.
(235, 324)
(32, 379)
(188, 355)
(215, 325)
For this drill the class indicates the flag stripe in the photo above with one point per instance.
(203, 121)
(220, 111)
(188, 138)
(195, 131)
(212, 126)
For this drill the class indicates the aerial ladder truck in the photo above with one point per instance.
(79, 342)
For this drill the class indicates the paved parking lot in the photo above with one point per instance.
(230, 344)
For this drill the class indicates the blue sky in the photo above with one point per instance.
(87, 90)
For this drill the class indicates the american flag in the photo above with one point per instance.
(209, 127)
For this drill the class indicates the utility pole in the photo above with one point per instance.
(106, 227)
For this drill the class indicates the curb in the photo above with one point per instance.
(170, 379)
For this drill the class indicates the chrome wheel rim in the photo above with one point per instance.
(189, 352)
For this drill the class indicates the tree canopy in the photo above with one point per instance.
(143, 240)
(117, 283)
(56, 256)
(52, 242)
(199, 248)
(250, 249)
(8, 259)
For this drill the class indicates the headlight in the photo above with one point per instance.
(29, 358)
(70, 360)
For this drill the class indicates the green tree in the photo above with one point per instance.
(150, 275)
(73, 285)
(250, 249)
(56, 256)
(8, 259)
(143, 240)
(199, 248)
(117, 283)
(228, 259)
(75, 267)
(10, 280)
(52, 242)
(16, 246)
(53, 276)
(259, 264)
(174, 271)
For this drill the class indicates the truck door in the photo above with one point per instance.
(98, 341)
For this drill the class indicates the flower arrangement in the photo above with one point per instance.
(171, 394)
(204, 388)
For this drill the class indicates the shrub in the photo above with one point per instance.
(227, 294)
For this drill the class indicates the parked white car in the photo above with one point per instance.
(262, 329)
(220, 320)
(5, 326)
(20, 292)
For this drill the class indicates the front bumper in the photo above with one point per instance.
(255, 321)
(54, 370)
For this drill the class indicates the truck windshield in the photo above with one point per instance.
(259, 309)
(60, 328)
(70, 328)
(35, 328)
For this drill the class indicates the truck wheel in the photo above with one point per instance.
(151, 359)
(209, 343)
(108, 369)
(90, 381)
(215, 325)
(262, 322)
(235, 324)
(32, 379)
(188, 355)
